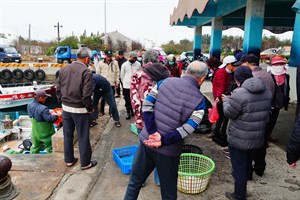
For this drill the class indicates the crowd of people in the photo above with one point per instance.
(248, 100)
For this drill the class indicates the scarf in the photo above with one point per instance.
(279, 79)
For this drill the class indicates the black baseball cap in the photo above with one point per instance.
(250, 58)
(108, 52)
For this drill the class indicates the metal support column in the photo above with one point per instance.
(216, 37)
(254, 21)
(197, 41)
(295, 50)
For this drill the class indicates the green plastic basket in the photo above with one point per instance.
(194, 173)
(134, 129)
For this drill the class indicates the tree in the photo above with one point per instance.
(93, 42)
(71, 41)
(109, 43)
(135, 45)
(177, 48)
(121, 45)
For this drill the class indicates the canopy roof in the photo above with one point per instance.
(279, 16)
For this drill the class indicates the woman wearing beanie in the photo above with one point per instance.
(142, 83)
(248, 110)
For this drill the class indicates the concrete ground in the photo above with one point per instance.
(46, 176)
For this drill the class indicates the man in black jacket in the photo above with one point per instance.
(74, 90)
(121, 59)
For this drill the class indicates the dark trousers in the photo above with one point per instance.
(241, 161)
(144, 162)
(118, 90)
(82, 124)
(272, 120)
(126, 94)
(221, 124)
(102, 103)
(108, 96)
(259, 155)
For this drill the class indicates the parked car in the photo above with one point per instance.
(9, 54)
(161, 55)
(190, 56)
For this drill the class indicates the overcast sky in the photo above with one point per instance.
(136, 19)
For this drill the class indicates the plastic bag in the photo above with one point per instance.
(213, 114)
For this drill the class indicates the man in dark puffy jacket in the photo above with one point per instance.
(293, 147)
(248, 110)
(42, 123)
(166, 124)
(251, 61)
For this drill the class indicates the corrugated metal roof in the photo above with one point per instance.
(186, 8)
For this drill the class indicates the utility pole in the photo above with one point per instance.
(58, 26)
(105, 37)
(29, 38)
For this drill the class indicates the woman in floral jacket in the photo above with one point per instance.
(141, 84)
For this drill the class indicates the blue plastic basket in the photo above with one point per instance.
(124, 157)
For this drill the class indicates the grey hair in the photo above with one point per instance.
(84, 52)
(197, 69)
(150, 56)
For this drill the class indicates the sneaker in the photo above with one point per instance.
(211, 135)
(118, 124)
(230, 195)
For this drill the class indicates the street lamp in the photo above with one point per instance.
(58, 26)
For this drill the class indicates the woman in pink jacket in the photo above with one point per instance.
(143, 81)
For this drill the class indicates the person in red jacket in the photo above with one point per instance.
(221, 84)
(172, 66)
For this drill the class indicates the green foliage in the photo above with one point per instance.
(177, 48)
(50, 51)
(274, 42)
(71, 41)
(93, 42)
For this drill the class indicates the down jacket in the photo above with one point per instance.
(248, 109)
(293, 147)
(221, 82)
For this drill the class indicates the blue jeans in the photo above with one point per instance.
(107, 96)
(241, 161)
(102, 103)
(145, 160)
